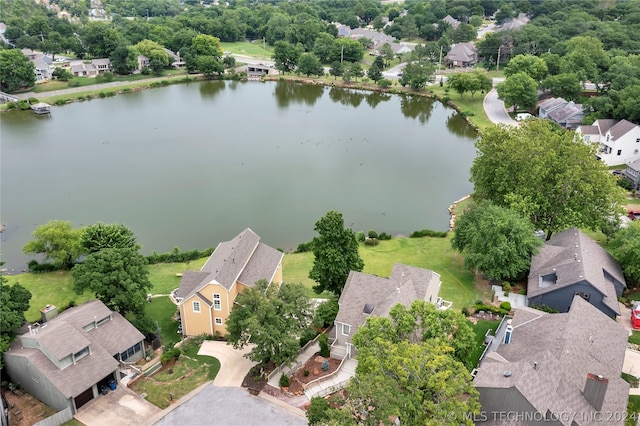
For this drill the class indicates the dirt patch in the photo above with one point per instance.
(256, 378)
(314, 368)
(26, 410)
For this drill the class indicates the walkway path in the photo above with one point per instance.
(325, 387)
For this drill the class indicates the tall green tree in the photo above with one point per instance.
(117, 276)
(375, 70)
(14, 302)
(565, 86)
(335, 252)
(534, 66)
(337, 69)
(309, 64)
(16, 70)
(102, 236)
(625, 247)
(519, 90)
(540, 171)
(206, 45)
(416, 74)
(271, 317)
(58, 241)
(355, 70)
(496, 240)
(286, 56)
(153, 51)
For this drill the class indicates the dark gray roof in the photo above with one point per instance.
(243, 259)
(574, 257)
(64, 335)
(567, 112)
(589, 130)
(604, 124)
(465, 52)
(621, 128)
(551, 104)
(404, 285)
(565, 348)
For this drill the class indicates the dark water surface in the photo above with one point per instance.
(192, 165)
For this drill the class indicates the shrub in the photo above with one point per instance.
(304, 247)
(170, 353)
(323, 341)
(505, 306)
(325, 365)
(24, 104)
(308, 334)
(74, 83)
(284, 381)
(306, 373)
(545, 308)
(465, 311)
(360, 236)
(428, 233)
(12, 105)
(326, 313)
(126, 89)
(372, 234)
(145, 71)
(625, 183)
(107, 76)
(39, 268)
(176, 256)
(385, 82)
(490, 308)
(60, 102)
(384, 236)
(318, 412)
(102, 95)
(33, 100)
(446, 99)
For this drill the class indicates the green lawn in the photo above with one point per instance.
(256, 49)
(471, 106)
(635, 338)
(633, 410)
(480, 329)
(162, 309)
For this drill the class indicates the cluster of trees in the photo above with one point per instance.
(112, 267)
(411, 366)
(532, 177)
(14, 302)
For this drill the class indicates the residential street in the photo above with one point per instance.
(495, 110)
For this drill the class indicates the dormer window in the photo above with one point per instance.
(104, 320)
(80, 354)
(368, 308)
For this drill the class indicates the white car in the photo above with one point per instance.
(523, 116)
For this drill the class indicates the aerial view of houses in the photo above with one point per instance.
(516, 309)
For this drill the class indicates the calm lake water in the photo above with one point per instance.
(194, 164)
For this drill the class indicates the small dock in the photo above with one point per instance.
(41, 108)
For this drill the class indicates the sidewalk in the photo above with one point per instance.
(346, 372)
(299, 361)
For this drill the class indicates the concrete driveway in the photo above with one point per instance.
(233, 365)
(121, 407)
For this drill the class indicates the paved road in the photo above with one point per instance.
(494, 108)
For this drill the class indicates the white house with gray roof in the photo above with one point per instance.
(556, 369)
(569, 264)
(206, 297)
(618, 141)
(64, 361)
(366, 295)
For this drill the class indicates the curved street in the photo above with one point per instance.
(495, 110)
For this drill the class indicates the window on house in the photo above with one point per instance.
(218, 321)
(81, 354)
(346, 329)
(196, 306)
(619, 151)
(216, 302)
(638, 140)
(103, 320)
(607, 138)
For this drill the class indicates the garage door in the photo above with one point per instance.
(83, 398)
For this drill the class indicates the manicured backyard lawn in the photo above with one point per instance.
(162, 310)
(480, 329)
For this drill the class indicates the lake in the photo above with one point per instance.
(194, 164)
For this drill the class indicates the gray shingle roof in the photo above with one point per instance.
(566, 347)
(244, 259)
(64, 335)
(589, 130)
(551, 104)
(621, 128)
(604, 124)
(404, 285)
(465, 52)
(635, 165)
(574, 257)
(565, 112)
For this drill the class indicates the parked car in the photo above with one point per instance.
(635, 315)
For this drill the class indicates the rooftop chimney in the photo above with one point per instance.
(595, 389)
(507, 334)
(48, 313)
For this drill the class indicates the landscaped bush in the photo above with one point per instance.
(33, 100)
(465, 311)
(102, 95)
(306, 372)
(370, 242)
(169, 354)
(74, 83)
(284, 381)
(506, 287)
(12, 105)
(24, 104)
(360, 236)
(384, 236)
(304, 247)
(325, 365)
(625, 183)
(385, 82)
(428, 233)
(490, 308)
(323, 341)
(372, 234)
(505, 306)
(60, 102)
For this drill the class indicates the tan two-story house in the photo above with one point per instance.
(206, 297)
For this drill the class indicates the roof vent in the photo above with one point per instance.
(535, 365)
(368, 308)
(507, 373)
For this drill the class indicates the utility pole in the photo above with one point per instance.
(440, 60)
(498, 59)
(341, 53)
